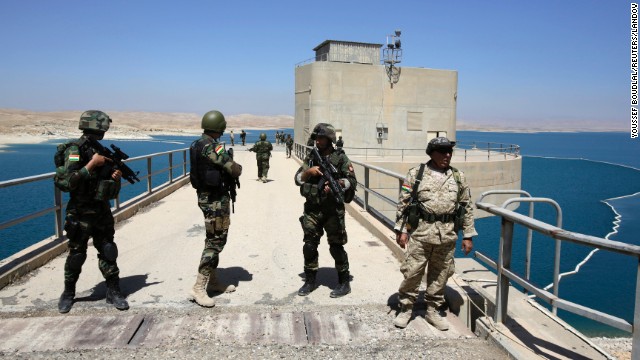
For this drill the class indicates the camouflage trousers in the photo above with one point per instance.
(263, 167)
(82, 221)
(215, 209)
(317, 219)
(437, 260)
(288, 151)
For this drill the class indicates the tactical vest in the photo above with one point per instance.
(203, 174)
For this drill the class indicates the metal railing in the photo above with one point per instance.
(59, 204)
(464, 151)
(503, 267)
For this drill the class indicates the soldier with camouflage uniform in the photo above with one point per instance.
(432, 243)
(88, 213)
(213, 171)
(263, 149)
(323, 212)
(289, 143)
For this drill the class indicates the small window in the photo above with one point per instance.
(414, 121)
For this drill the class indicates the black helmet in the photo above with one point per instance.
(439, 143)
(326, 130)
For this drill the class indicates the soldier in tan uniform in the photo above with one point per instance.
(443, 208)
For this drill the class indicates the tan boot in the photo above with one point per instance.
(199, 292)
(433, 317)
(217, 286)
(403, 317)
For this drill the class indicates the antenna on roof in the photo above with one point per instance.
(392, 55)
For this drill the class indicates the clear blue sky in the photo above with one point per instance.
(517, 61)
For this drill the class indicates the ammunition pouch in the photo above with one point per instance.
(459, 217)
(310, 192)
(107, 190)
(414, 213)
(72, 227)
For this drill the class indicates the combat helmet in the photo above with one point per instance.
(263, 136)
(94, 120)
(439, 143)
(326, 130)
(214, 121)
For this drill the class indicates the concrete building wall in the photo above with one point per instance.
(355, 98)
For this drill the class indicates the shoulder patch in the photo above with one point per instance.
(406, 187)
(219, 149)
(74, 157)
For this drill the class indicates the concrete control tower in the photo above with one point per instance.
(387, 114)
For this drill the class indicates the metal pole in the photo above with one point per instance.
(184, 162)
(529, 241)
(504, 262)
(635, 345)
(149, 175)
(366, 188)
(170, 168)
(57, 201)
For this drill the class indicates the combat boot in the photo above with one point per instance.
(309, 283)
(404, 316)
(114, 296)
(217, 286)
(199, 292)
(343, 287)
(433, 317)
(66, 299)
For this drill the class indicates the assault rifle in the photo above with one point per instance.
(328, 171)
(116, 156)
(231, 183)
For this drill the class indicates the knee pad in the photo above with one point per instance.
(75, 261)
(337, 251)
(310, 250)
(109, 251)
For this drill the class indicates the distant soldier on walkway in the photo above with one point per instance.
(91, 183)
(434, 204)
(324, 208)
(213, 175)
(289, 143)
(263, 149)
(243, 137)
(232, 137)
(339, 143)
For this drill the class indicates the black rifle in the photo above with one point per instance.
(328, 173)
(116, 156)
(231, 183)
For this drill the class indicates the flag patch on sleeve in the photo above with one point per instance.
(74, 157)
(406, 187)
(219, 149)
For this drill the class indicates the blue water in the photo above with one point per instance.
(593, 176)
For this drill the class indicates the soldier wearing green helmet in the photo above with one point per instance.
(323, 212)
(81, 171)
(263, 149)
(213, 171)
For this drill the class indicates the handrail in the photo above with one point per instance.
(59, 204)
(503, 267)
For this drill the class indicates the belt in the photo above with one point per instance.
(445, 218)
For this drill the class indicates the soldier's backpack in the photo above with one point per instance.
(60, 179)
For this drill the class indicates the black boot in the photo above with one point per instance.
(66, 299)
(343, 288)
(114, 296)
(309, 283)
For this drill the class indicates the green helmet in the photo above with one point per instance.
(94, 120)
(263, 136)
(214, 121)
(326, 130)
